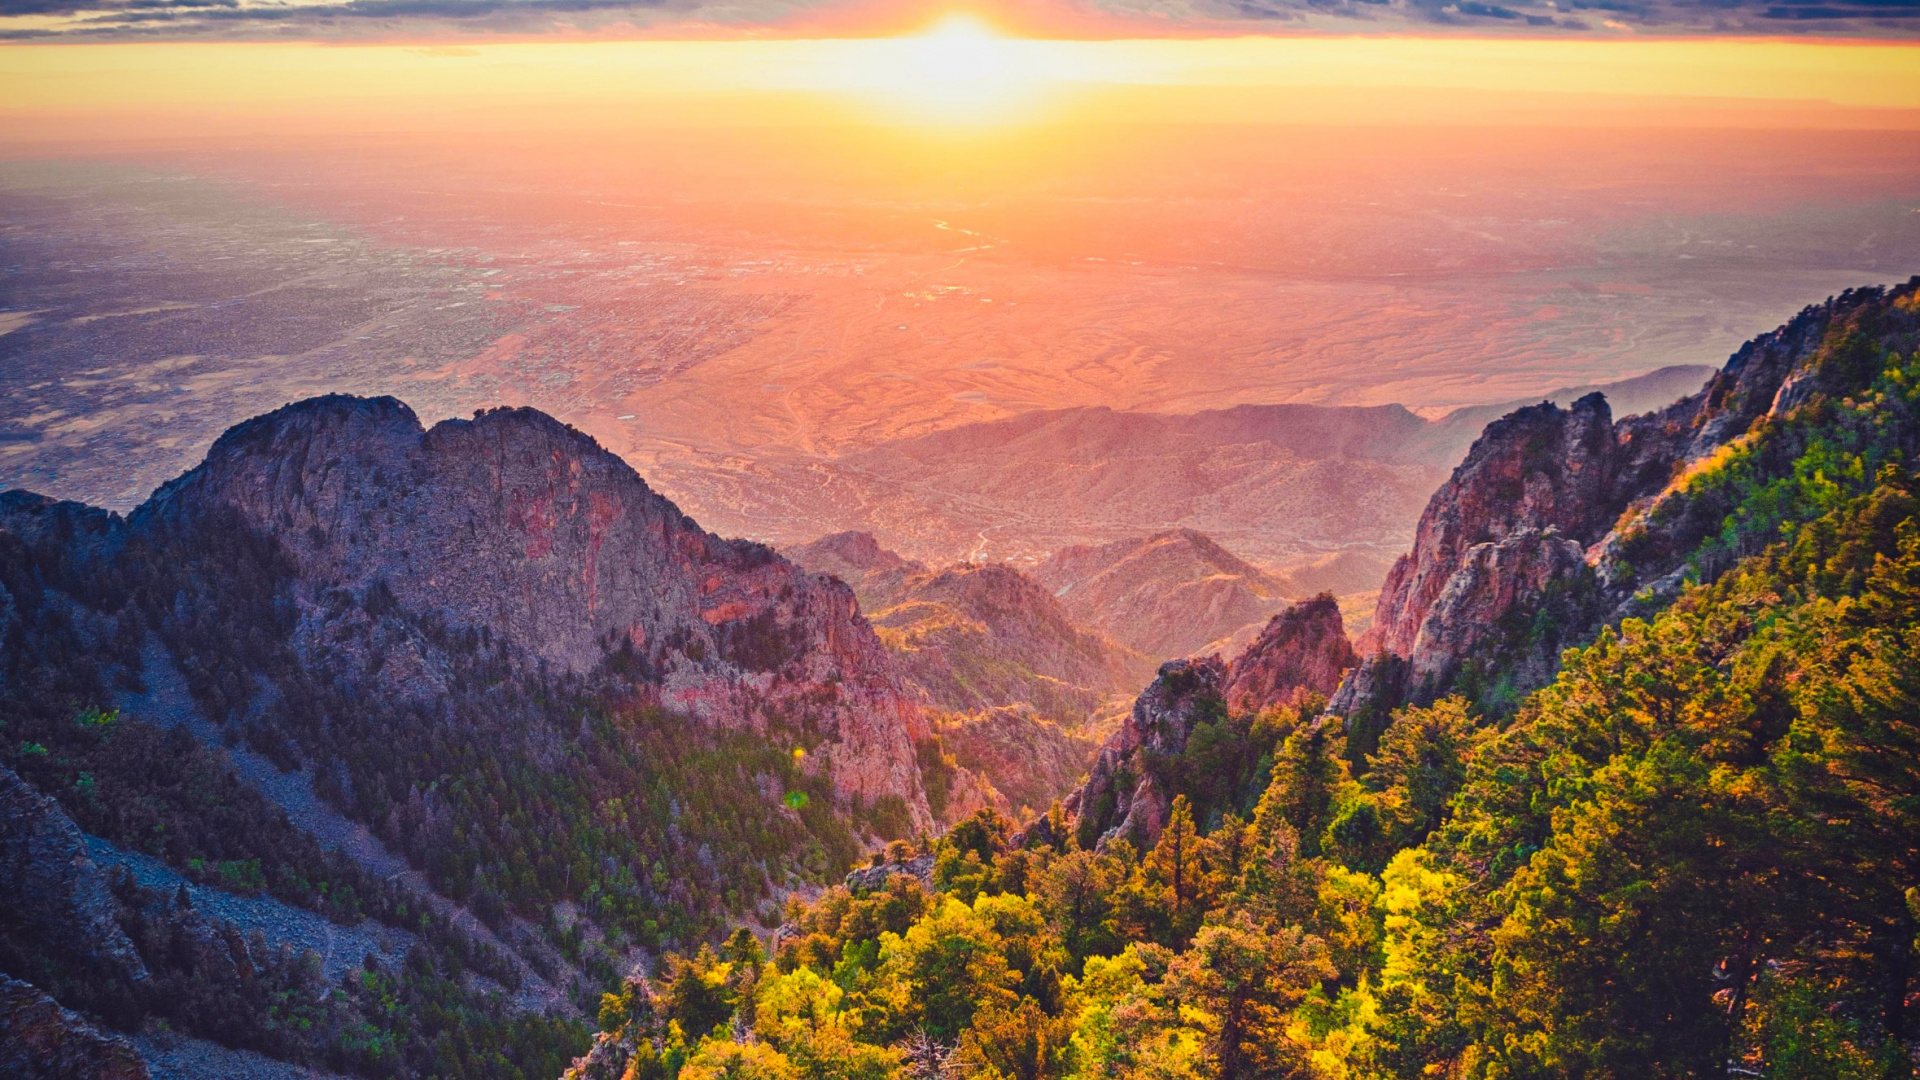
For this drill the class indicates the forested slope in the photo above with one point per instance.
(1692, 852)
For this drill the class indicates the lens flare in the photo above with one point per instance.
(960, 70)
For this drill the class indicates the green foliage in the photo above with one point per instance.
(1245, 980)
(937, 772)
(1228, 759)
(1692, 855)
(640, 792)
(1407, 790)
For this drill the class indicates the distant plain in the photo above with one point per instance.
(747, 314)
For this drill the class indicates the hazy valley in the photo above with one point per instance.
(583, 588)
(604, 733)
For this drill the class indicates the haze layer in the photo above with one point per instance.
(743, 264)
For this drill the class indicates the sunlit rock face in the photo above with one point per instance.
(1561, 519)
(1537, 468)
(1303, 650)
(1494, 581)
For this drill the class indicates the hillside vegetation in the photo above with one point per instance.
(1692, 853)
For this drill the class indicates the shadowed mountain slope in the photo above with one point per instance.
(547, 722)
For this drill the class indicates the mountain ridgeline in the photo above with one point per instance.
(1285, 485)
(542, 721)
(407, 752)
(1561, 520)
(1619, 783)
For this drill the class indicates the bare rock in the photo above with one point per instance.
(1494, 600)
(48, 881)
(518, 524)
(868, 878)
(1303, 650)
(1536, 468)
(39, 1040)
(1121, 798)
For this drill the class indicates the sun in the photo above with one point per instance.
(959, 70)
(959, 54)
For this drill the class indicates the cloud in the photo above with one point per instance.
(1884, 18)
(347, 18)
(297, 11)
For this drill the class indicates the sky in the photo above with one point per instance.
(388, 19)
(960, 70)
(734, 239)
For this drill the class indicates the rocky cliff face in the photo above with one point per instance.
(1495, 581)
(1536, 468)
(39, 1040)
(1122, 796)
(516, 526)
(52, 888)
(1303, 650)
(1557, 518)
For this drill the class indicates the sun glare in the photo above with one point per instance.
(958, 71)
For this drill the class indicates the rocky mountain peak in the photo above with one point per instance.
(1121, 797)
(850, 555)
(518, 526)
(1535, 468)
(1303, 650)
(1557, 517)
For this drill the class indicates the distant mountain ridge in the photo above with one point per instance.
(1646, 393)
(1280, 485)
(980, 636)
(1166, 595)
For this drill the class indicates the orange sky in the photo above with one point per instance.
(961, 75)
